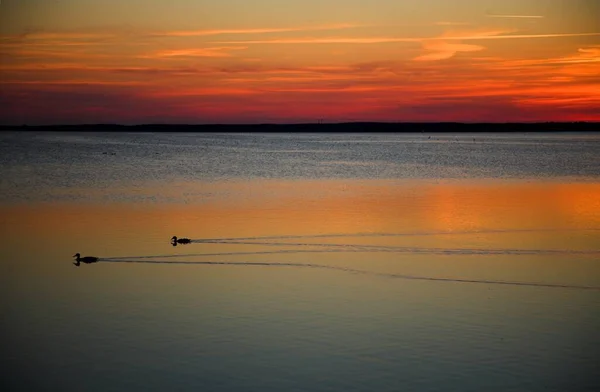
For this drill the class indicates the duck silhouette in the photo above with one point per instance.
(86, 259)
(176, 240)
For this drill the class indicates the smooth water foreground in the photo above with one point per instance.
(318, 262)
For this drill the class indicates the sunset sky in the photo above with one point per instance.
(255, 61)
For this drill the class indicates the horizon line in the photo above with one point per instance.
(317, 123)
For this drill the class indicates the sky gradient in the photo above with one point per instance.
(239, 61)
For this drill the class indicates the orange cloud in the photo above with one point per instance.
(199, 52)
(515, 16)
(116, 70)
(442, 50)
(203, 91)
(330, 40)
(47, 53)
(74, 82)
(72, 35)
(201, 33)
(484, 35)
(99, 36)
(451, 23)
(526, 36)
(584, 56)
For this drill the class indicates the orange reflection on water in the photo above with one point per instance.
(267, 208)
(320, 207)
(453, 218)
(515, 205)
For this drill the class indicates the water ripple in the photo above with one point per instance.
(356, 271)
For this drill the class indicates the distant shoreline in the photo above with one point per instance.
(354, 127)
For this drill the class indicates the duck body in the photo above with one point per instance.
(176, 240)
(86, 259)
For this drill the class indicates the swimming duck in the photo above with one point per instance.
(181, 240)
(86, 260)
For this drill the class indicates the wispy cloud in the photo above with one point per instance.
(201, 33)
(330, 40)
(583, 56)
(197, 52)
(203, 91)
(73, 82)
(441, 50)
(446, 46)
(526, 36)
(481, 33)
(493, 35)
(71, 35)
(87, 35)
(451, 23)
(515, 16)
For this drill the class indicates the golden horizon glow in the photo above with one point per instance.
(332, 61)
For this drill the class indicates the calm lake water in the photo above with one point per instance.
(358, 262)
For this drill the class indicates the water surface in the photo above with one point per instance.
(319, 262)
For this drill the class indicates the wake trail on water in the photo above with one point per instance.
(361, 248)
(351, 270)
(355, 248)
(381, 234)
(267, 252)
(421, 250)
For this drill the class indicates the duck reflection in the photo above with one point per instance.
(85, 260)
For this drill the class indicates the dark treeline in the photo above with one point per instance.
(320, 127)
